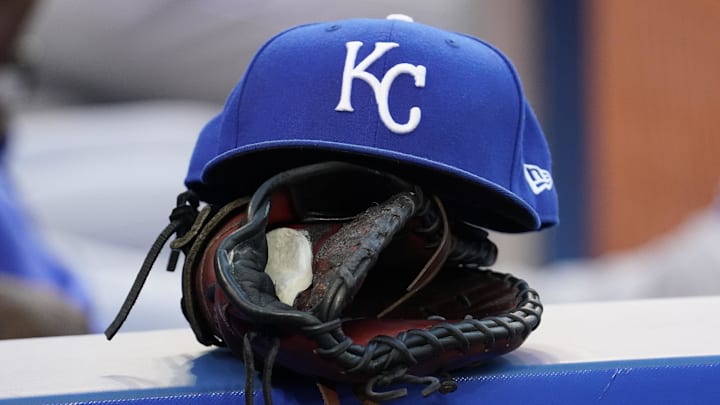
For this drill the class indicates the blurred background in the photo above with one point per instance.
(103, 103)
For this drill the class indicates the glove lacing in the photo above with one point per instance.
(249, 361)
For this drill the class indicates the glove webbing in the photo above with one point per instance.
(384, 353)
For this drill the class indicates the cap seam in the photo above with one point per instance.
(374, 99)
(521, 109)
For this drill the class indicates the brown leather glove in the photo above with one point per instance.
(368, 282)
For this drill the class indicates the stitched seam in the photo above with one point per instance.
(377, 106)
(521, 109)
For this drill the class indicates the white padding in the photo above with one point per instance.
(289, 262)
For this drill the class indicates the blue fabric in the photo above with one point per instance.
(688, 380)
(476, 132)
(24, 256)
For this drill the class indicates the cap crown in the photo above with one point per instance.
(445, 109)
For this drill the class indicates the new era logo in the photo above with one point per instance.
(538, 178)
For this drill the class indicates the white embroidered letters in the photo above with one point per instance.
(381, 88)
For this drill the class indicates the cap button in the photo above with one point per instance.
(401, 17)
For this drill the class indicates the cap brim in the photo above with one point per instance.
(472, 198)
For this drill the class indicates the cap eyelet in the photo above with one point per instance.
(452, 43)
(333, 27)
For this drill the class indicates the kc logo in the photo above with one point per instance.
(381, 88)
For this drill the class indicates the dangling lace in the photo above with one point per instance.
(181, 220)
(249, 361)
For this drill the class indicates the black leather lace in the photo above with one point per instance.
(181, 220)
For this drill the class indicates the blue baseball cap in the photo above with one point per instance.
(442, 109)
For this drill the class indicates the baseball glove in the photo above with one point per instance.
(346, 274)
